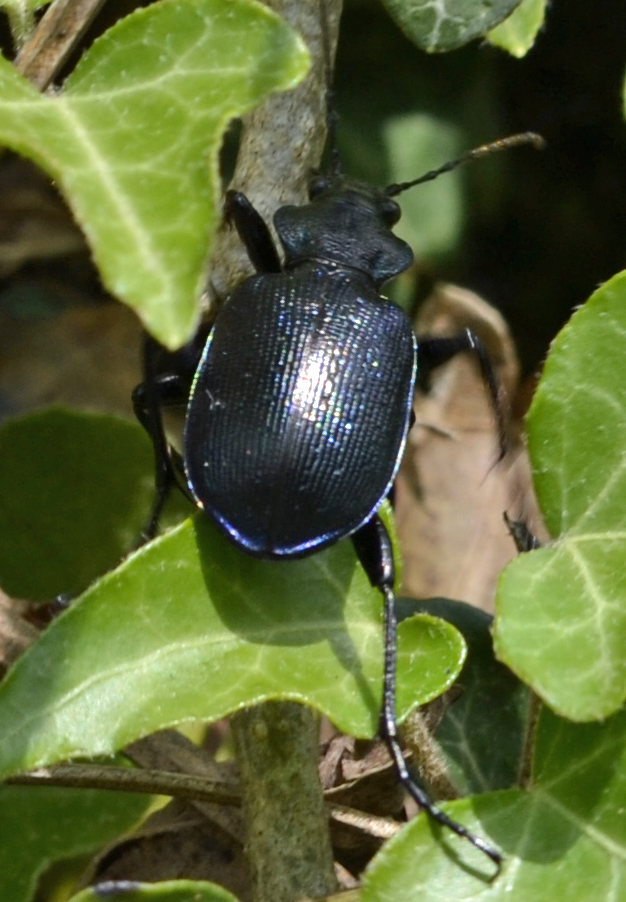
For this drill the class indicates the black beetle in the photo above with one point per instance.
(302, 400)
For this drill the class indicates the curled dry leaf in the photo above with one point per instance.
(362, 790)
(359, 774)
(86, 357)
(451, 491)
(170, 750)
(177, 842)
(16, 633)
(35, 224)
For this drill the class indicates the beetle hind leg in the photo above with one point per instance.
(373, 547)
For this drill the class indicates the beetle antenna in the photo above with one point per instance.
(331, 112)
(477, 153)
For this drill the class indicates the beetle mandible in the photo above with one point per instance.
(301, 401)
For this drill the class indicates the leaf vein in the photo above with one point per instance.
(597, 836)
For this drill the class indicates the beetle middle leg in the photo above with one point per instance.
(433, 352)
(167, 381)
(374, 549)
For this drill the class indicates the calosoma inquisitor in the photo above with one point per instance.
(301, 401)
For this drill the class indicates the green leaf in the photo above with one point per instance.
(21, 16)
(21, 8)
(517, 34)
(134, 137)
(170, 891)
(565, 839)
(75, 492)
(447, 24)
(189, 627)
(433, 216)
(561, 610)
(493, 703)
(42, 824)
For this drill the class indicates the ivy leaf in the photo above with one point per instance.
(21, 8)
(561, 617)
(447, 24)
(517, 34)
(493, 703)
(189, 628)
(432, 218)
(42, 824)
(564, 839)
(75, 492)
(133, 140)
(21, 16)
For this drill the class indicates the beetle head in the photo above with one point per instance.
(346, 223)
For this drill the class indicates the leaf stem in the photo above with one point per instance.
(524, 777)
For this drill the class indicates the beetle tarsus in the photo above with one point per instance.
(389, 733)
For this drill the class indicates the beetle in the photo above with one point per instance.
(301, 402)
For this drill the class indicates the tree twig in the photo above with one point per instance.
(47, 49)
(127, 779)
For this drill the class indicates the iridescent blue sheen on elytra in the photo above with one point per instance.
(299, 410)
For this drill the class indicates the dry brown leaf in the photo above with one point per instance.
(86, 357)
(35, 224)
(451, 491)
(16, 633)
(174, 843)
(194, 840)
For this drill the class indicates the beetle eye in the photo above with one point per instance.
(317, 185)
(390, 211)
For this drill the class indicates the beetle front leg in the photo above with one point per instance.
(159, 390)
(433, 352)
(374, 549)
(253, 231)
